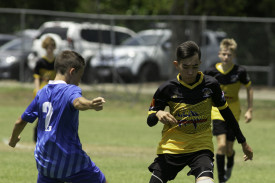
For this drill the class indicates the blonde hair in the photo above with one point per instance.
(48, 41)
(228, 44)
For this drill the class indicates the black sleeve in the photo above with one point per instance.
(37, 67)
(244, 77)
(233, 124)
(152, 119)
(159, 102)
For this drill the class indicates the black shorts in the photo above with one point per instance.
(169, 165)
(220, 127)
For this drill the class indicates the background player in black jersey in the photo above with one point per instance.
(44, 70)
(231, 77)
(187, 135)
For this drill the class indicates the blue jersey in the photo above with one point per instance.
(58, 151)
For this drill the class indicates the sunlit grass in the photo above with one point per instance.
(122, 145)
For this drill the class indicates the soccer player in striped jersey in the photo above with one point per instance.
(231, 77)
(58, 152)
(187, 135)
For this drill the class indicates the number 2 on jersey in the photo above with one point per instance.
(48, 109)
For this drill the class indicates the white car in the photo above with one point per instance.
(148, 56)
(84, 38)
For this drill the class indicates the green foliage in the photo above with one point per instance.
(250, 8)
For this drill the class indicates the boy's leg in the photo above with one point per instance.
(230, 153)
(202, 166)
(220, 167)
(219, 130)
(43, 179)
(91, 174)
(166, 167)
(207, 180)
(230, 159)
(157, 177)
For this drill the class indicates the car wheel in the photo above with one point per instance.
(149, 72)
(88, 75)
(28, 75)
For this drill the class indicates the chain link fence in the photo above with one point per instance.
(255, 38)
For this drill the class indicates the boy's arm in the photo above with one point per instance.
(36, 84)
(248, 114)
(82, 103)
(234, 125)
(18, 128)
(162, 116)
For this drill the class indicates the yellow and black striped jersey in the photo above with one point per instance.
(230, 82)
(44, 70)
(191, 105)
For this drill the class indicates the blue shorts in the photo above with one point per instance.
(91, 174)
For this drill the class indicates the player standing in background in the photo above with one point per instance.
(231, 77)
(44, 70)
(187, 135)
(58, 152)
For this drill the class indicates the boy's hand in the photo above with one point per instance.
(248, 116)
(166, 117)
(97, 103)
(248, 152)
(13, 142)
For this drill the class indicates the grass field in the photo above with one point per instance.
(122, 145)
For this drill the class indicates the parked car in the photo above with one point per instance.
(4, 38)
(12, 55)
(85, 38)
(148, 56)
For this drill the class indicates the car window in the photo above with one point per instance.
(204, 40)
(134, 41)
(220, 38)
(91, 35)
(120, 37)
(148, 40)
(103, 36)
(151, 40)
(16, 44)
(3, 42)
(61, 31)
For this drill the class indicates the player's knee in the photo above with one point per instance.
(221, 149)
(205, 180)
(229, 152)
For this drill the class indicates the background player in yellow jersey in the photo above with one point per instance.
(187, 134)
(231, 77)
(44, 69)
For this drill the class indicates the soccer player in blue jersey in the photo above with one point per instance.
(58, 152)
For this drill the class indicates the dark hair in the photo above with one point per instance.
(68, 59)
(187, 49)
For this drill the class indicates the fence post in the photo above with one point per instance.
(22, 27)
(271, 74)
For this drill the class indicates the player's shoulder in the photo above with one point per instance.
(239, 68)
(211, 69)
(210, 80)
(168, 84)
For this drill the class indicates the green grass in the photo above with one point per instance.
(122, 145)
